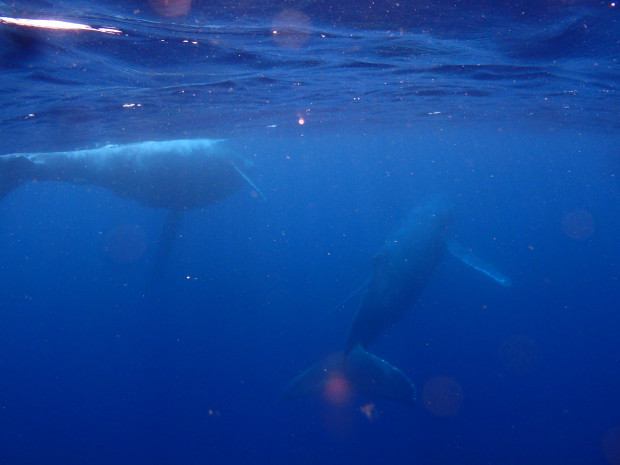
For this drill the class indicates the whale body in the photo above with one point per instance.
(175, 175)
(401, 270)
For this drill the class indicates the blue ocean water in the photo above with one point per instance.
(351, 113)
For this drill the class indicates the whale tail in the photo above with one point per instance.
(339, 377)
(13, 172)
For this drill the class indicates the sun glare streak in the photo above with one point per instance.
(58, 25)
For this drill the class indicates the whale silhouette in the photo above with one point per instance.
(401, 270)
(176, 175)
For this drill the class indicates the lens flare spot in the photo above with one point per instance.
(443, 396)
(519, 354)
(337, 389)
(611, 445)
(578, 224)
(171, 8)
(291, 29)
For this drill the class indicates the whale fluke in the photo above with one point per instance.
(339, 377)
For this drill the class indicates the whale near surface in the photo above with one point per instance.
(176, 174)
(401, 270)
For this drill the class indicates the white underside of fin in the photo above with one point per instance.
(353, 294)
(249, 181)
(466, 256)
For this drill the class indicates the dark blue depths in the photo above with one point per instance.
(96, 367)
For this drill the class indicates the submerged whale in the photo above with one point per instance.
(401, 269)
(176, 175)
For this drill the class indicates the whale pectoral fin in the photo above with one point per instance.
(356, 292)
(466, 256)
(13, 172)
(338, 377)
(249, 181)
(169, 232)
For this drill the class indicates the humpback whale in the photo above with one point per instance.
(176, 175)
(401, 269)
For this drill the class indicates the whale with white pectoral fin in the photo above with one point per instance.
(175, 175)
(401, 270)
